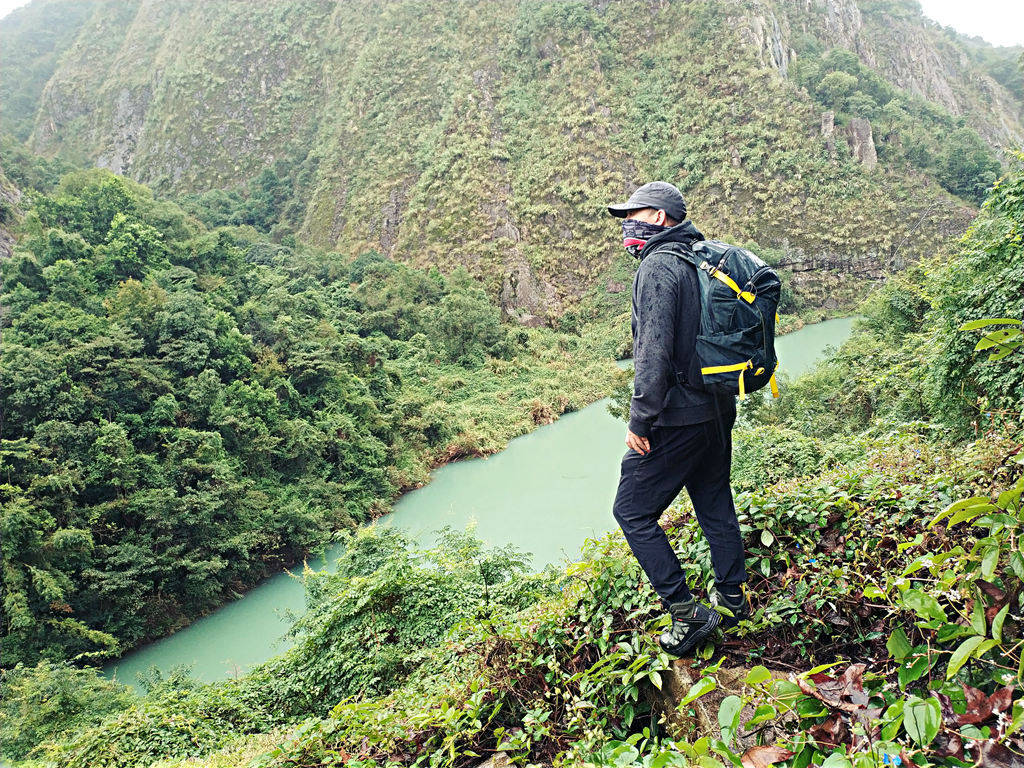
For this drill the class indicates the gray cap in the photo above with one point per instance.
(653, 194)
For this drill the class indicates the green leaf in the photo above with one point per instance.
(786, 692)
(729, 716)
(623, 755)
(978, 618)
(989, 561)
(1002, 352)
(836, 760)
(655, 679)
(821, 668)
(698, 689)
(970, 513)
(761, 714)
(898, 644)
(959, 505)
(1008, 497)
(892, 720)
(923, 604)
(758, 675)
(767, 537)
(984, 648)
(913, 668)
(961, 654)
(993, 338)
(997, 622)
(922, 719)
(1018, 718)
(1017, 564)
(873, 592)
(985, 322)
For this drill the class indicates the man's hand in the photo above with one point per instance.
(639, 444)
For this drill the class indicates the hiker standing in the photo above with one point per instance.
(678, 436)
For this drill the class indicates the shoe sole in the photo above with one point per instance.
(697, 637)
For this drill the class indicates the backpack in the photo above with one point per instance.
(739, 299)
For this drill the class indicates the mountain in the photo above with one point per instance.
(491, 137)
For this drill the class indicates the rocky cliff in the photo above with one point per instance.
(10, 213)
(493, 137)
(894, 39)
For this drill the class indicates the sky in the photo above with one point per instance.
(1000, 22)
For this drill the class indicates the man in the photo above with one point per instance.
(679, 435)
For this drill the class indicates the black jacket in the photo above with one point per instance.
(666, 320)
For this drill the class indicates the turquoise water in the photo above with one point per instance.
(546, 492)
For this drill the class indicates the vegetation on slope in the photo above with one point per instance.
(186, 410)
(409, 136)
(886, 578)
(32, 40)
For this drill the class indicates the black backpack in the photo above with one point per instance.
(739, 299)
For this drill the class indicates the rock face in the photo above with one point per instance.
(858, 133)
(526, 299)
(762, 31)
(912, 53)
(10, 214)
(828, 130)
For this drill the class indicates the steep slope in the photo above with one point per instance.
(493, 137)
(32, 40)
(894, 39)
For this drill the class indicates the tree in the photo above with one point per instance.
(967, 167)
(835, 89)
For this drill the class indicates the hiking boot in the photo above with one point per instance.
(738, 606)
(692, 624)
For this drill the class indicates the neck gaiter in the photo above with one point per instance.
(636, 232)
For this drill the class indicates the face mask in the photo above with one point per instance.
(636, 232)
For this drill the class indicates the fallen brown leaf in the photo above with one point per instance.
(764, 756)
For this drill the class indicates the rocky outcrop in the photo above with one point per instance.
(128, 118)
(828, 130)
(912, 53)
(526, 299)
(763, 32)
(10, 214)
(858, 134)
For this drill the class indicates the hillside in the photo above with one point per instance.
(491, 138)
(881, 504)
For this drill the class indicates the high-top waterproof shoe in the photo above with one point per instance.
(692, 624)
(738, 606)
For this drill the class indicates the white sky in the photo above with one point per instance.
(1000, 22)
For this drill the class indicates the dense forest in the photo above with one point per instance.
(264, 268)
(185, 409)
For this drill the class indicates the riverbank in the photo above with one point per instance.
(546, 492)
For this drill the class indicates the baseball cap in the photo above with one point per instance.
(653, 194)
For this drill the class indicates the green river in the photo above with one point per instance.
(546, 492)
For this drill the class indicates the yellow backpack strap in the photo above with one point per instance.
(726, 368)
(741, 367)
(772, 383)
(745, 295)
(720, 275)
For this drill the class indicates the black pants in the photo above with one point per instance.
(699, 457)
